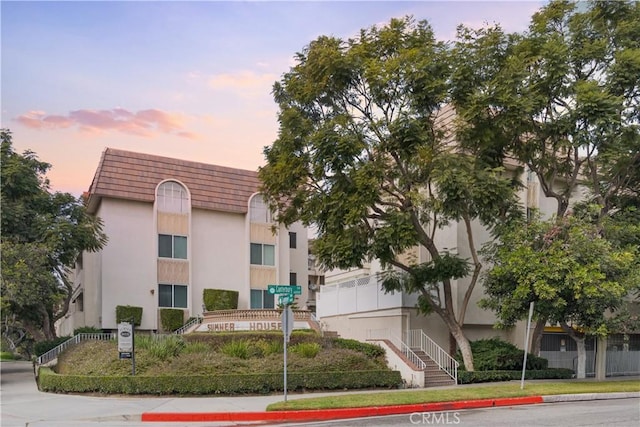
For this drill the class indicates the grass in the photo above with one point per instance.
(408, 397)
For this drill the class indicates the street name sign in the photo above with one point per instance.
(284, 289)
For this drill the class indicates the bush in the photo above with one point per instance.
(171, 319)
(7, 355)
(163, 348)
(42, 347)
(465, 377)
(371, 350)
(220, 299)
(239, 349)
(495, 354)
(268, 347)
(217, 384)
(124, 313)
(308, 350)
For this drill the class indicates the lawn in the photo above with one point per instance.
(480, 391)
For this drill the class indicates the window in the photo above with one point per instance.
(263, 254)
(172, 296)
(261, 298)
(172, 197)
(172, 246)
(292, 240)
(259, 210)
(293, 279)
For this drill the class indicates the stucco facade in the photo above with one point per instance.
(176, 228)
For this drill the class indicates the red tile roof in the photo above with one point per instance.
(135, 176)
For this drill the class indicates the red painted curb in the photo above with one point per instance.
(334, 414)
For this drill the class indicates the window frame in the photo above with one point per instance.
(253, 246)
(265, 296)
(173, 237)
(293, 240)
(173, 287)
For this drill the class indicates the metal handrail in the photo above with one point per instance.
(184, 328)
(379, 334)
(54, 352)
(418, 339)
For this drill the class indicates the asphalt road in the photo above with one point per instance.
(618, 412)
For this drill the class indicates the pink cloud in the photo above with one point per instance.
(144, 123)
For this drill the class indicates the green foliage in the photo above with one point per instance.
(43, 233)
(495, 354)
(240, 349)
(161, 347)
(171, 319)
(270, 347)
(264, 383)
(220, 299)
(124, 313)
(564, 265)
(372, 351)
(465, 377)
(41, 347)
(6, 355)
(308, 350)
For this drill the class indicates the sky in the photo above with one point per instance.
(184, 79)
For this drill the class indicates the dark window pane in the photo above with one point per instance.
(256, 298)
(165, 298)
(180, 247)
(180, 296)
(268, 300)
(164, 246)
(293, 279)
(292, 240)
(256, 254)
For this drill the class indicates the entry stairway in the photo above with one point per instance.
(426, 363)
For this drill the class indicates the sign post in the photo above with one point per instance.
(526, 345)
(126, 346)
(286, 295)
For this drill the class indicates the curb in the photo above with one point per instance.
(334, 414)
(589, 396)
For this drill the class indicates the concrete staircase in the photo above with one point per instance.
(433, 375)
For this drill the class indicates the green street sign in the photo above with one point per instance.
(284, 289)
(285, 299)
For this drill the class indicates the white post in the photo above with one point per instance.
(526, 345)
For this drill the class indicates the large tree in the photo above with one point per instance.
(563, 98)
(43, 233)
(574, 276)
(365, 153)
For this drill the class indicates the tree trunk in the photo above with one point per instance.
(453, 345)
(463, 345)
(582, 358)
(536, 339)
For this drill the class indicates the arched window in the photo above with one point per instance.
(259, 210)
(172, 197)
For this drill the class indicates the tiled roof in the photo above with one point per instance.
(135, 176)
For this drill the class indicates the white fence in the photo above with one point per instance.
(359, 295)
(618, 362)
(52, 354)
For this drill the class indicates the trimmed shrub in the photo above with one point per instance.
(171, 319)
(220, 299)
(216, 384)
(373, 351)
(494, 354)
(124, 313)
(308, 350)
(465, 377)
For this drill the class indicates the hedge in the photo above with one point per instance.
(171, 319)
(465, 377)
(220, 299)
(124, 313)
(49, 381)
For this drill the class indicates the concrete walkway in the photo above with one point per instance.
(23, 404)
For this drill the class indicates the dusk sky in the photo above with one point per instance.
(183, 79)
